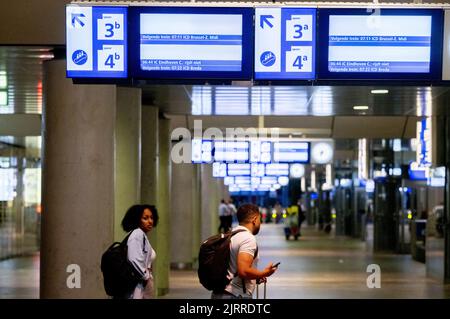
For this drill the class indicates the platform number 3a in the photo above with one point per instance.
(298, 31)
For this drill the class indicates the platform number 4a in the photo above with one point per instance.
(298, 62)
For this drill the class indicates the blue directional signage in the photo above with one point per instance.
(285, 43)
(96, 40)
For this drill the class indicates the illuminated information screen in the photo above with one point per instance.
(191, 42)
(231, 152)
(291, 152)
(96, 41)
(380, 44)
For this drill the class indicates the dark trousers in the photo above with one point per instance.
(225, 223)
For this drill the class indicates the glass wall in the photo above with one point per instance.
(20, 196)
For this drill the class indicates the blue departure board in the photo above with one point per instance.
(96, 42)
(384, 44)
(190, 42)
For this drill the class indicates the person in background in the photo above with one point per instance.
(224, 216)
(232, 209)
(301, 216)
(140, 220)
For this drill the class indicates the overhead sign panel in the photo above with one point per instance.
(385, 44)
(228, 151)
(96, 42)
(285, 43)
(201, 151)
(276, 169)
(291, 152)
(183, 42)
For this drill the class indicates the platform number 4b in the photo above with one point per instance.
(110, 58)
(374, 279)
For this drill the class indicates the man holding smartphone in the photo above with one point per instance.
(242, 269)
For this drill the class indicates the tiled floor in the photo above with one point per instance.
(315, 266)
(19, 277)
(325, 266)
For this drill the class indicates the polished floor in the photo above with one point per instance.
(316, 266)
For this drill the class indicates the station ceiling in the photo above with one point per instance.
(325, 111)
(298, 100)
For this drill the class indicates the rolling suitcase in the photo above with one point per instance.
(257, 291)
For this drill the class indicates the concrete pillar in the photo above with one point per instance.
(447, 203)
(149, 155)
(182, 217)
(210, 202)
(18, 205)
(161, 235)
(78, 184)
(127, 159)
(196, 214)
(155, 189)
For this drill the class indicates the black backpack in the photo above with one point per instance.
(119, 275)
(213, 261)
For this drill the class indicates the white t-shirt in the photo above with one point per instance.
(242, 242)
(232, 208)
(223, 210)
(140, 253)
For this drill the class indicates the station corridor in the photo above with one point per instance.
(316, 266)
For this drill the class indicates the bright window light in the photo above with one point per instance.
(379, 91)
(360, 107)
(397, 145)
(3, 98)
(3, 80)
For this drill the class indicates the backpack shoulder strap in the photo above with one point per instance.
(125, 240)
(236, 231)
